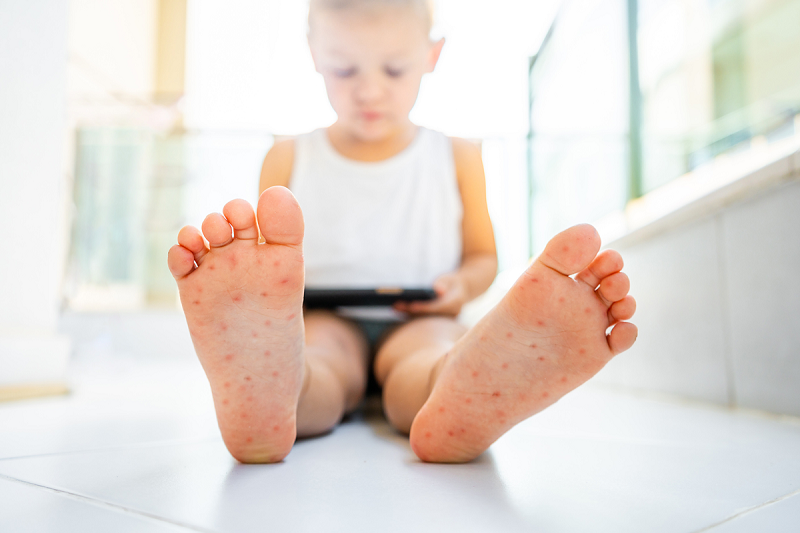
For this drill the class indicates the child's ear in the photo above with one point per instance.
(434, 53)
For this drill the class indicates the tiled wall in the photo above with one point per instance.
(719, 305)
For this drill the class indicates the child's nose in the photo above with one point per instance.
(370, 88)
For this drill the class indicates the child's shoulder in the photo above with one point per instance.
(278, 163)
(468, 160)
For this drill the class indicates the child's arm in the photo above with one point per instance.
(277, 166)
(479, 255)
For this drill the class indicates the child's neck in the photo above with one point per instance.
(352, 147)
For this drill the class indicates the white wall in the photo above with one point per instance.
(33, 59)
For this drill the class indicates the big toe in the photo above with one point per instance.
(280, 218)
(571, 250)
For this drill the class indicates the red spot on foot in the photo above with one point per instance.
(587, 310)
(450, 433)
(285, 281)
(268, 323)
(229, 357)
(199, 290)
(533, 345)
(242, 388)
(212, 267)
(267, 353)
(475, 374)
(232, 260)
(249, 439)
(462, 430)
(500, 414)
(276, 263)
(224, 327)
(237, 298)
(428, 434)
(523, 396)
(495, 394)
(534, 280)
(564, 379)
(291, 316)
(441, 409)
(249, 398)
(566, 248)
(468, 400)
(541, 358)
(225, 402)
(243, 415)
(263, 294)
(561, 299)
(275, 374)
(505, 365)
(196, 302)
(227, 384)
(509, 334)
(582, 351)
(540, 322)
(248, 378)
(276, 428)
(545, 394)
(255, 335)
(484, 337)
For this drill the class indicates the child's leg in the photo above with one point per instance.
(546, 337)
(406, 364)
(243, 306)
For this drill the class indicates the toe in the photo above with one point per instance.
(614, 288)
(622, 337)
(217, 230)
(622, 310)
(180, 261)
(571, 250)
(280, 217)
(190, 238)
(240, 215)
(605, 264)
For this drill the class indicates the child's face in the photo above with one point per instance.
(372, 64)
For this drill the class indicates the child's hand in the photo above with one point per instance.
(451, 295)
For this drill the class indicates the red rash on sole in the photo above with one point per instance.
(475, 374)
(533, 346)
(247, 378)
(227, 384)
(196, 302)
(561, 300)
(505, 365)
(582, 351)
(291, 316)
(275, 374)
(212, 267)
(237, 298)
(428, 434)
(441, 409)
(267, 353)
(495, 394)
(545, 394)
(284, 281)
(540, 322)
(249, 439)
(276, 428)
(509, 334)
(263, 294)
(564, 379)
(229, 357)
(484, 337)
(450, 433)
(468, 400)
(225, 402)
(276, 263)
(268, 323)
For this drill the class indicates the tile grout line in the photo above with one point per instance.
(750, 510)
(135, 446)
(108, 505)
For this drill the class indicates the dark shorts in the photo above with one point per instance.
(376, 332)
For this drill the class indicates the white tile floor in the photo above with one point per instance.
(136, 448)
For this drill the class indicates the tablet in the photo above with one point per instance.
(382, 296)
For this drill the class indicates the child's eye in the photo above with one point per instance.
(393, 72)
(344, 72)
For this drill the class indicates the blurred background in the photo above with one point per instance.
(673, 126)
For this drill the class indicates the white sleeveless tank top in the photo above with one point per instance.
(391, 223)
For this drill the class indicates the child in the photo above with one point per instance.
(385, 203)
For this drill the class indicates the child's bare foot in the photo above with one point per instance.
(546, 337)
(243, 303)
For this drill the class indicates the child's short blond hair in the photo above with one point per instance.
(423, 7)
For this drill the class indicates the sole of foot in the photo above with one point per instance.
(243, 305)
(545, 338)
